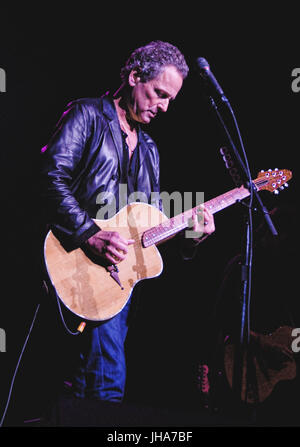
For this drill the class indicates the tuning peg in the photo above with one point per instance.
(276, 191)
(262, 171)
(286, 185)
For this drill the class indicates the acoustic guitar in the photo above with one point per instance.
(267, 361)
(96, 292)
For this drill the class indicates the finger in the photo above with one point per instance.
(197, 227)
(123, 247)
(117, 242)
(114, 255)
(207, 214)
(112, 259)
(193, 221)
(200, 220)
(209, 221)
(200, 211)
(121, 242)
(209, 227)
(116, 245)
(112, 236)
(204, 215)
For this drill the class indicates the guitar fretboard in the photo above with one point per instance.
(180, 222)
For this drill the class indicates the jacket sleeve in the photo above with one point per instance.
(59, 161)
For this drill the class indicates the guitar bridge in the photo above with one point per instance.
(113, 271)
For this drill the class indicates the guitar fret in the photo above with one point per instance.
(163, 231)
(179, 222)
(227, 199)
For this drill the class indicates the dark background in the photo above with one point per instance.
(51, 58)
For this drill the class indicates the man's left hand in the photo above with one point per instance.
(203, 224)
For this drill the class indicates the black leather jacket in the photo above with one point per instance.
(83, 159)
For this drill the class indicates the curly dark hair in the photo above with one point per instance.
(150, 60)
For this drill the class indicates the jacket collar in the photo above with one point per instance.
(108, 107)
(110, 112)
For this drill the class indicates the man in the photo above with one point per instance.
(98, 145)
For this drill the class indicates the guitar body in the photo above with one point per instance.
(85, 286)
(271, 361)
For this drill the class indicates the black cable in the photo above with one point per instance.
(17, 366)
(62, 318)
(22, 352)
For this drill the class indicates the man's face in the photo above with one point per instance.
(149, 98)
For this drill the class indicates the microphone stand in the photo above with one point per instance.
(246, 268)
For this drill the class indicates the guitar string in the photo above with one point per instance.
(216, 203)
(219, 205)
(173, 230)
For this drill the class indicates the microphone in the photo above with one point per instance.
(210, 81)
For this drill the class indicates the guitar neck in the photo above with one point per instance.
(171, 227)
(227, 199)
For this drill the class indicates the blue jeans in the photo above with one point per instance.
(100, 364)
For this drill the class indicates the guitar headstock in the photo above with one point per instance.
(273, 180)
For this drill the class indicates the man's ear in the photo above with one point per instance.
(133, 78)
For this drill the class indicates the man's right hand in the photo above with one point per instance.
(110, 245)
